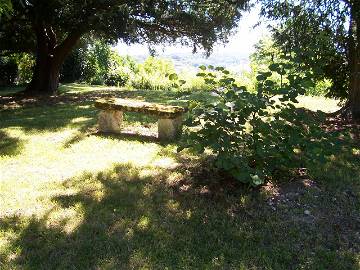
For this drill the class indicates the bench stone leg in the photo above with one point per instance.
(110, 121)
(169, 129)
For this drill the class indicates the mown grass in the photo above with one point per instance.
(72, 198)
(5, 91)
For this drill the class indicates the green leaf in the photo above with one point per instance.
(201, 74)
(266, 74)
(202, 67)
(240, 175)
(261, 77)
(274, 67)
(256, 180)
(173, 77)
(209, 81)
(226, 72)
(281, 72)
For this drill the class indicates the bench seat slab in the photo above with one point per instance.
(128, 105)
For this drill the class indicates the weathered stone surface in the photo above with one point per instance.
(169, 129)
(111, 115)
(110, 121)
(128, 105)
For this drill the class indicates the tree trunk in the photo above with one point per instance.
(354, 62)
(45, 80)
(49, 58)
(354, 99)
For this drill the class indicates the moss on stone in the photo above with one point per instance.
(129, 105)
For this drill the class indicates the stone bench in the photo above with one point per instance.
(112, 109)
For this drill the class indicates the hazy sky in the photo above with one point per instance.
(241, 43)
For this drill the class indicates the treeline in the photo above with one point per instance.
(94, 63)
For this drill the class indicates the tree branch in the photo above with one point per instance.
(62, 50)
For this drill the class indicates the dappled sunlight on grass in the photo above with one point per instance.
(120, 219)
(65, 219)
(11, 142)
(73, 88)
(74, 198)
(323, 104)
(44, 160)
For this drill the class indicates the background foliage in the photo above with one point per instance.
(316, 31)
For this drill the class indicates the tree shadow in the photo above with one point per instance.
(10, 146)
(132, 221)
(128, 219)
(48, 118)
(130, 136)
(57, 112)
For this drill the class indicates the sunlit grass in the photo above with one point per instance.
(45, 160)
(74, 88)
(323, 104)
(71, 198)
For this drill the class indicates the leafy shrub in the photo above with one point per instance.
(153, 74)
(117, 79)
(98, 79)
(16, 69)
(95, 60)
(321, 88)
(253, 135)
(24, 63)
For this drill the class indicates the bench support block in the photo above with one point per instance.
(110, 121)
(169, 129)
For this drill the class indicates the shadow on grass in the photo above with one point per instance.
(10, 146)
(57, 112)
(81, 117)
(128, 136)
(11, 90)
(57, 117)
(48, 118)
(131, 221)
(74, 108)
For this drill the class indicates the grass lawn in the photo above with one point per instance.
(71, 198)
(6, 91)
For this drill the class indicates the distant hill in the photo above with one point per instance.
(186, 61)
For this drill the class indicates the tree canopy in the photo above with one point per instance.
(5, 7)
(324, 35)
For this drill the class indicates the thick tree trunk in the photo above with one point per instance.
(45, 80)
(354, 62)
(49, 58)
(354, 99)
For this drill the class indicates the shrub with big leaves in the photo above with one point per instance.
(253, 135)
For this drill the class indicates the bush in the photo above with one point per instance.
(253, 135)
(154, 74)
(321, 88)
(26, 63)
(16, 69)
(117, 79)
